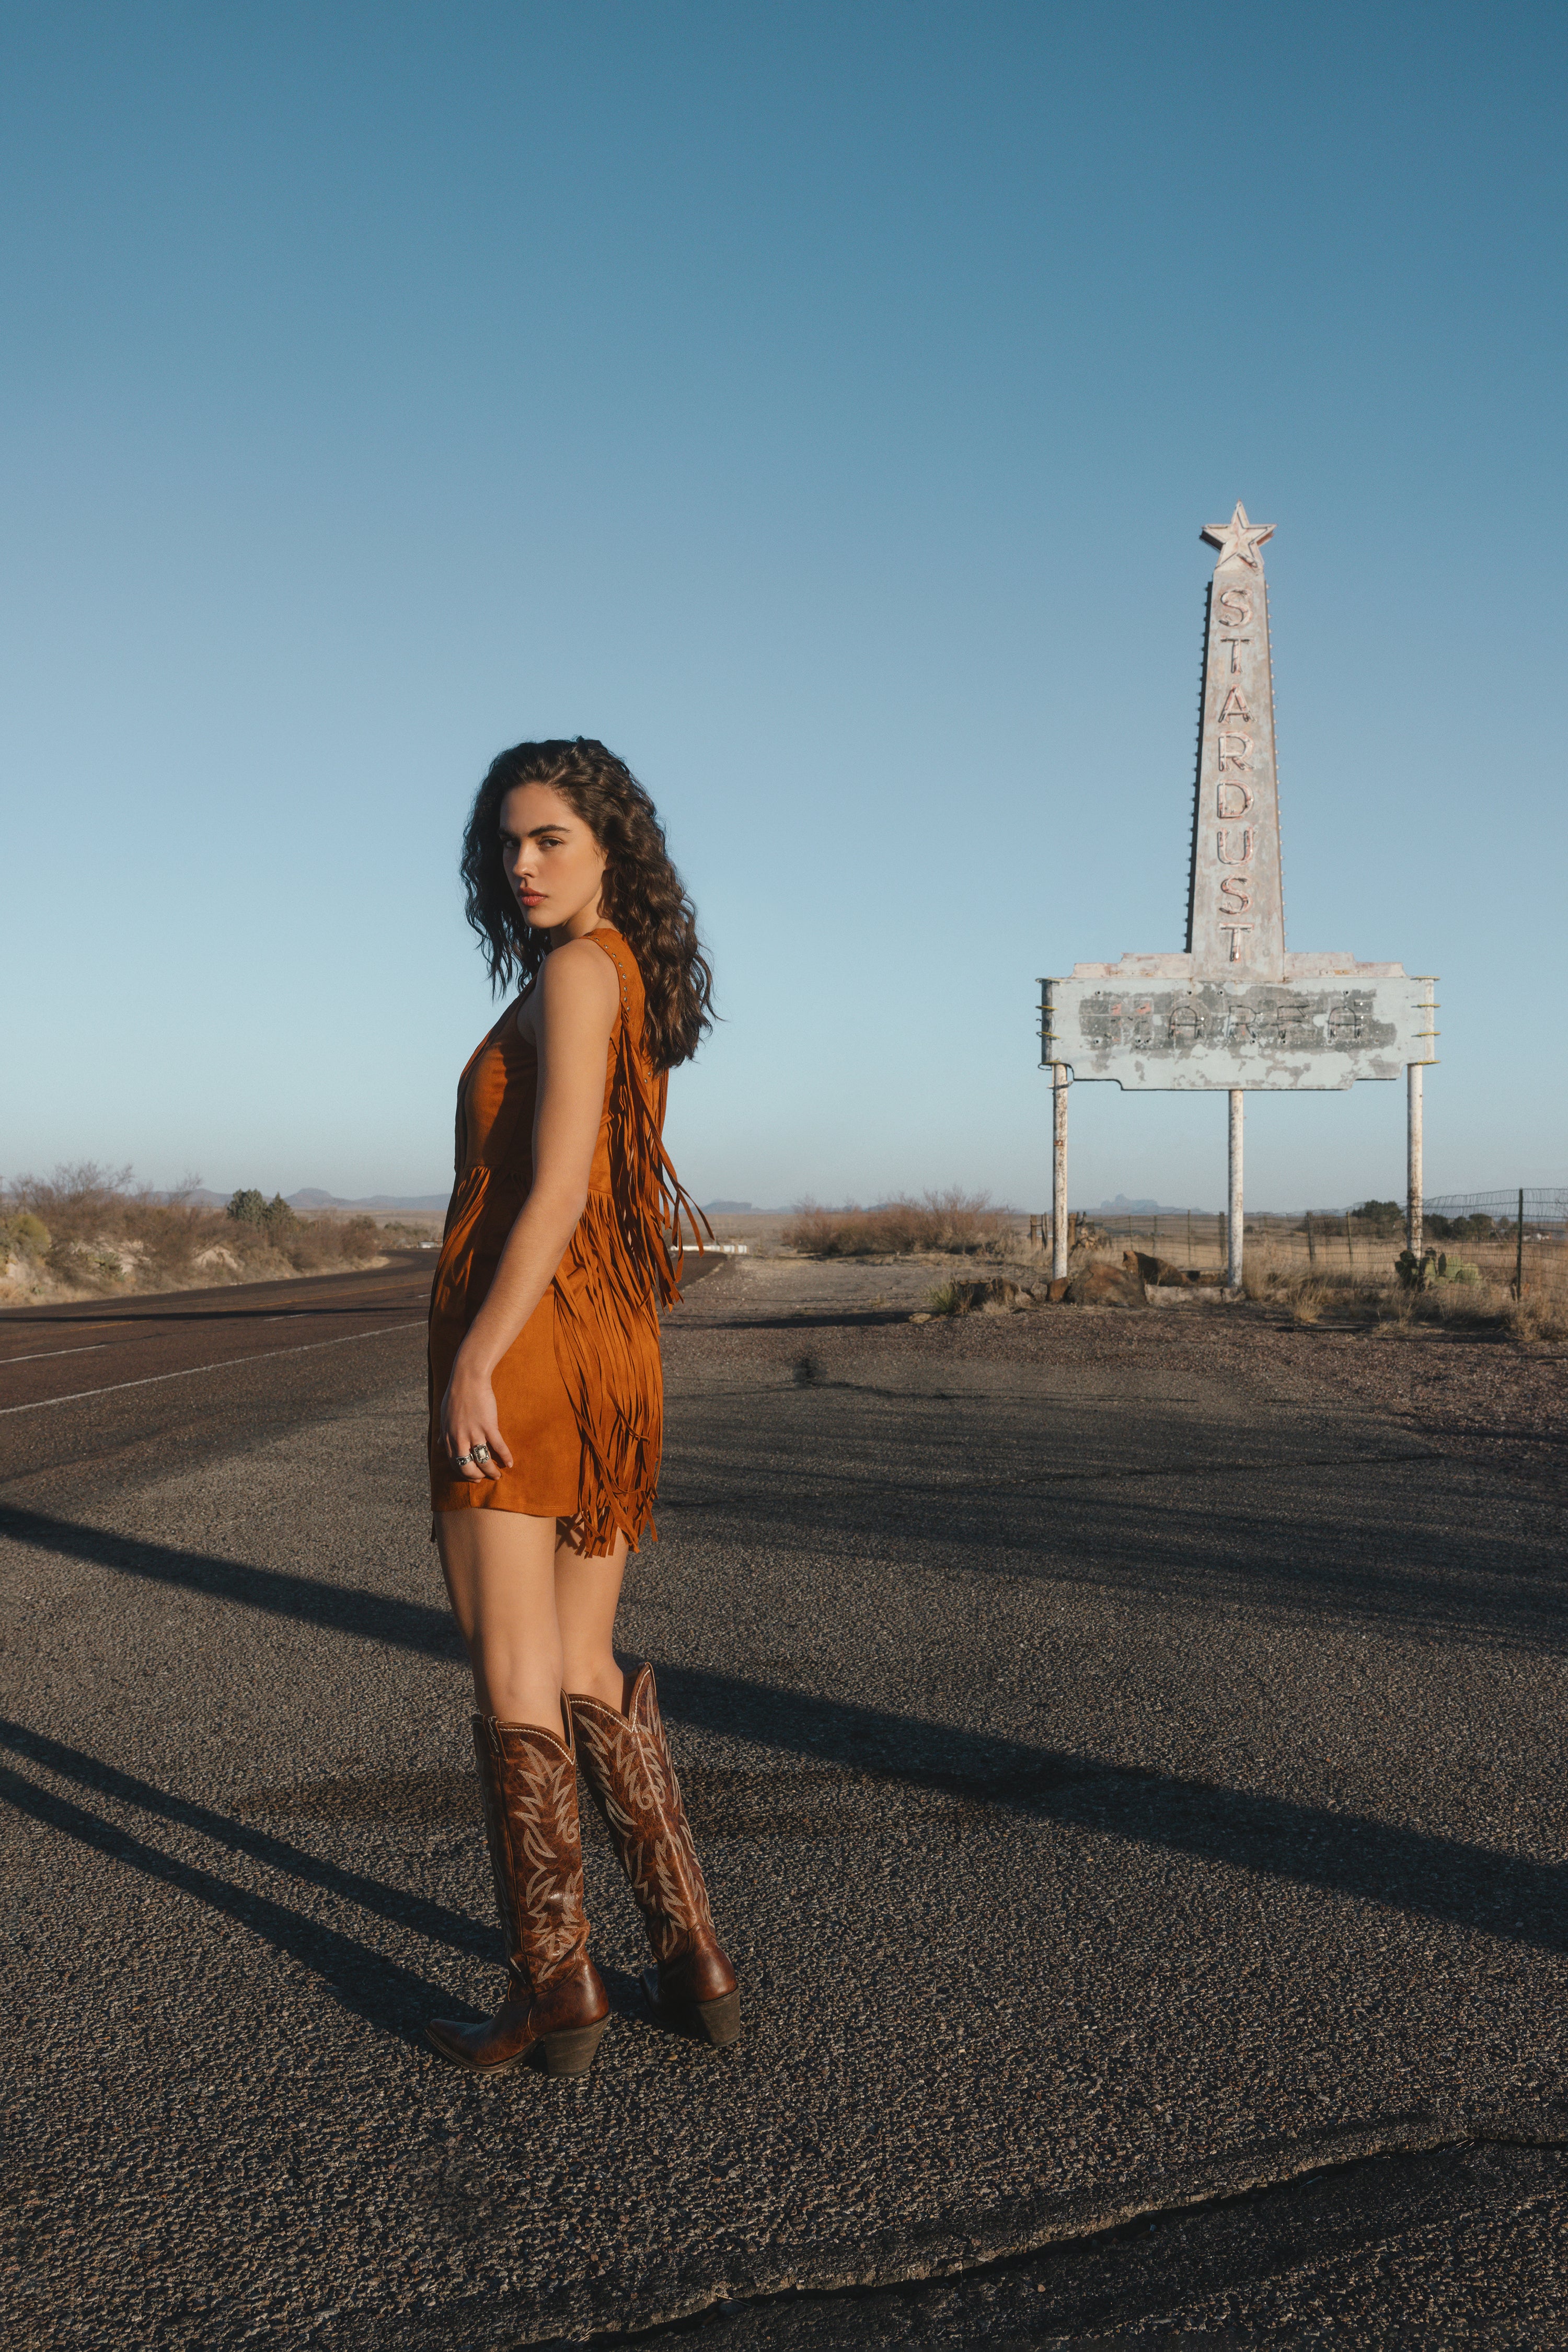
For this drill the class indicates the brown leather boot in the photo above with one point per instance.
(554, 2001)
(625, 1762)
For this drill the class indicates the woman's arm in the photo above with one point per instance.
(579, 994)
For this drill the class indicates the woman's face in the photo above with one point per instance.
(551, 860)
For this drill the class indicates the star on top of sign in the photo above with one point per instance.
(1238, 541)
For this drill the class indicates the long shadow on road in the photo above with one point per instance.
(1355, 1856)
(338, 1608)
(373, 1986)
(407, 1910)
(380, 1990)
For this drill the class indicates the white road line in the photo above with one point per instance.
(150, 1380)
(91, 1347)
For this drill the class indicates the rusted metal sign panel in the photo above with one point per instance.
(1181, 1034)
(1234, 1008)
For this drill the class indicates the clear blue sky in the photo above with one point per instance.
(819, 402)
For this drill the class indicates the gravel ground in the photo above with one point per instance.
(1127, 1749)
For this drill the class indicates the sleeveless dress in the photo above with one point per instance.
(580, 1392)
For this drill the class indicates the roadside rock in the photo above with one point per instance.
(1103, 1284)
(1159, 1273)
(997, 1296)
(1163, 1274)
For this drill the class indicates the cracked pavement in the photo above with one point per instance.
(1129, 1773)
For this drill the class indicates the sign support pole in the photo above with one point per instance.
(1412, 1205)
(1058, 1169)
(1233, 1226)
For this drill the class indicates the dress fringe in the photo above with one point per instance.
(623, 1262)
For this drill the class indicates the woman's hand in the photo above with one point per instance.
(468, 1422)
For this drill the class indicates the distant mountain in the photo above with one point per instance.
(727, 1208)
(310, 1198)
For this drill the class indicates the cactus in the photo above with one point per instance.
(1417, 1274)
(26, 1233)
(1434, 1267)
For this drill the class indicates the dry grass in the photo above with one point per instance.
(1307, 1299)
(1540, 1314)
(92, 1232)
(1468, 1297)
(969, 1225)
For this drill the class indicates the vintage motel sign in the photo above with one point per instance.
(1148, 1028)
(1234, 1009)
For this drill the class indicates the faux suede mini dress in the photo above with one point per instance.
(580, 1392)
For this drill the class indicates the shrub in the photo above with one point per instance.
(26, 1233)
(967, 1224)
(99, 1231)
(357, 1239)
(1540, 1314)
(1380, 1216)
(274, 1216)
(1308, 1298)
(1475, 1228)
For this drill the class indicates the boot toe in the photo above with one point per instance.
(453, 2039)
(502, 2040)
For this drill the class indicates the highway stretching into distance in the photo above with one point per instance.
(182, 1341)
(1130, 1777)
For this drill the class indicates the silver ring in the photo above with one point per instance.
(480, 1454)
(461, 1461)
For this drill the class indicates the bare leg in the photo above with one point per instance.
(587, 1594)
(499, 1570)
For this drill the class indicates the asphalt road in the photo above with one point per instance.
(149, 1372)
(1130, 1777)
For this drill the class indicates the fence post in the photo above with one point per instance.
(1349, 1246)
(1519, 1250)
(1311, 1245)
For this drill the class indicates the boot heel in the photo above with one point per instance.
(573, 2053)
(720, 2020)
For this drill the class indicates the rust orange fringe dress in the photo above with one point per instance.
(580, 1391)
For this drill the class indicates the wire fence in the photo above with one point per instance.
(1485, 1235)
(1539, 1205)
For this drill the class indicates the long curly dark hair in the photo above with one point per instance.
(643, 895)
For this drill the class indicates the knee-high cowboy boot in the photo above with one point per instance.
(625, 1762)
(555, 2000)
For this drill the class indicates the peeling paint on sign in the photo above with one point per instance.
(1234, 1009)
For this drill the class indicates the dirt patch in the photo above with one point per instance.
(1475, 1390)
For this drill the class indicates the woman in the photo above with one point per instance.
(546, 1390)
